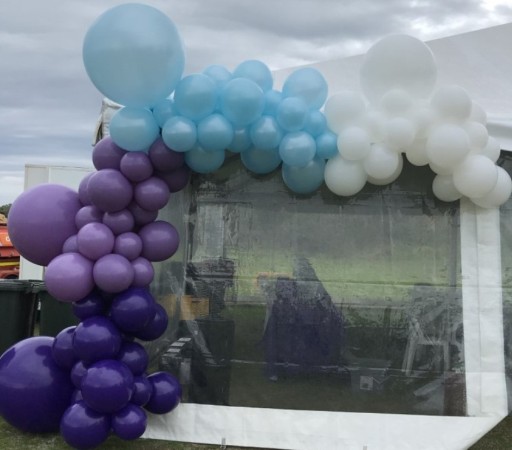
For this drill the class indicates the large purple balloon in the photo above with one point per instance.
(107, 386)
(142, 216)
(113, 273)
(136, 166)
(120, 221)
(62, 349)
(166, 393)
(91, 305)
(109, 190)
(142, 390)
(156, 327)
(163, 158)
(129, 423)
(83, 428)
(41, 219)
(144, 272)
(177, 180)
(88, 214)
(96, 338)
(133, 309)
(128, 245)
(160, 240)
(69, 277)
(134, 356)
(34, 390)
(107, 155)
(151, 194)
(95, 240)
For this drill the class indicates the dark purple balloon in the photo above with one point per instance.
(83, 193)
(83, 428)
(109, 190)
(156, 327)
(96, 338)
(120, 221)
(129, 423)
(88, 214)
(107, 155)
(163, 158)
(113, 273)
(133, 309)
(142, 390)
(95, 240)
(166, 393)
(77, 373)
(70, 245)
(128, 245)
(144, 272)
(151, 194)
(107, 386)
(136, 166)
(134, 356)
(177, 180)
(34, 390)
(76, 396)
(69, 277)
(160, 240)
(62, 349)
(40, 221)
(91, 305)
(142, 216)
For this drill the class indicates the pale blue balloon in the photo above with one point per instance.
(304, 180)
(260, 161)
(195, 96)
(179, 134)
(292, 113)
(134, 129)
(272, 100)
(163, 111)
(256, 71)
(134, 55)
(215, 133)
(309, 85)
(265, 133)
(316, 124)
(219, 74)
(201, 161)
(241, 141)
(241, 102)
(326, 145)
(297, 149)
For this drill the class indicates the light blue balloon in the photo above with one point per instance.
(241, 102)
(309, 85)
(195, 96)
(134, 129)
(179, 134)
(260, 161)
(316, 124)
(265, 133)
(272, 100)
(219, 74)
(327, 145)
(163, 111)
(297, 149)
(215, 133)
(201, 161)
(304, 180)
(133, 54)
(241, 141)
(256, 71)
(292, 113)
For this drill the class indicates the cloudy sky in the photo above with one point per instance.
(49, 108)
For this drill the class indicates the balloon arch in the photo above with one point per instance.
(99, 243)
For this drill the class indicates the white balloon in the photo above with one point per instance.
(476, 176)
(375, 123)
(423, 117)
(390, 179)
(354, 143)
(416, 153)
(440, 170)
(343, 109)
(492, 150)
(382, 162)
(398, 62)
(447, 145)
(344, 177)
(478, 134)
(396, 102)
(478, 114)
(444, 189)
(452, 102)
(500, 193)
(400, 132)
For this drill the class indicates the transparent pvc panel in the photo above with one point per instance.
(315, 302)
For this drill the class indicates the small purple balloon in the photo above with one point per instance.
(83, 193)
(160, 240)
(177, 180)
(95, 240)
(134, 356)
(107, 155)
(109, 190)
(156, 327)
(69, 277)
(107, 386)
(88, 214)
(136, 166)
(163, 158)
(70, 245)
(166, 393)
(120, 221)
(133, 309)
(142, 390)
(62, 349)
(142, 216)
(83, 428)
(128, 245)
(129, 423)
(113, 273)
(96, 338)
(144, 272)
(91, 305)
(151, 194)
(76, 396)
(77, 373)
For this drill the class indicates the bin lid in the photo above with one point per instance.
(14, 285)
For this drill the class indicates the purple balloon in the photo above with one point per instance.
(160, 240)
(151, 194)
(142, 390)
(166, 393)
(40, 221)
(156, 327)
(96, 338)
(70, 245)
(142, 216)
(107, 386)
(163, 158)
(91, 305)
(129, 423)
(136, 166)
(95, 240)
(134, 356)
(144, 272)
(120, 221)
(133, 309)
(113, 273)
(77, 373)
(69, 277)
(76, 396)
(107, 155)
(84, 428)
(62, 349)
(88, 214)
(177, 180)
(34, 390)
(109, 190)
(83, 193)
(128, 245)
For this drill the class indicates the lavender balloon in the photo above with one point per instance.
(113, 273)
(70, 245)
(142, 216)
(166, 393)
(160, 240)
(156, 327)
(144, 272)
(96, 338)
(119, 221)
(91, 305)
(163, 158)
(107, 155)
(62, 349)
(133, 309)
(95, 240)
(151, 194)
(129, 423)
(88, 214)
(136, 166)
(83, 193)
(128, 245)
(109, 190)
(177, 180)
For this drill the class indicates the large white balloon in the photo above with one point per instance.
(444, 189)
(476, 176)
(382, 162)
(344, 177)
(391, 178)
(398, 62)
(492, 150)
(354, 143)
(500, 193)
(447, 145)
(478, 134)
(343, 109)
(417, 153)
(452, 102)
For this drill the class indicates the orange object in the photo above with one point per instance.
(9, 256)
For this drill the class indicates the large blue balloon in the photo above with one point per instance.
(196, 96)
(134, 55)
(297, 149)
(134, 129)
(242, 102)
(256, 71)
(201, 161)
(261, 161)
(179, 133)
(309, 85)
(214, 133)
(304, 180)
